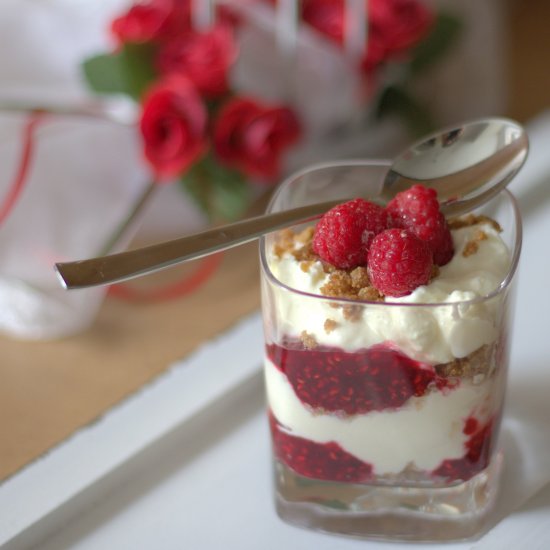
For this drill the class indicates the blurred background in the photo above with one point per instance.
(361, 78)
(124, 120)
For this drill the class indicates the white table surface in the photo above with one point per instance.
(201, 478)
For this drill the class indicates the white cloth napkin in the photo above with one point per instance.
(43, 43)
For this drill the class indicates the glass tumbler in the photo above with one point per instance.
(83, 180)
(385, 416)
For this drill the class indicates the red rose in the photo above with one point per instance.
(400, 24)
(252, 137)
(393, 25)
(204, 58)
(326, 16)
(229, 16)
(142, 22)
(179, 19)
(152, 21)
(173, 126)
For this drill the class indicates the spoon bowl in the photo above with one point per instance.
(467, 164)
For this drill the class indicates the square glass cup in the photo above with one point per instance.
(385, 421)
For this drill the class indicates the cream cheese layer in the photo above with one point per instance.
(448, 328)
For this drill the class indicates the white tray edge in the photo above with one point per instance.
(185, 389)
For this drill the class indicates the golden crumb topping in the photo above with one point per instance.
(472, 246)
(308, 340)
(354, 283)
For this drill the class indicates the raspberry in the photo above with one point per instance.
(327, 461)
(417, 209)
(344, 234)
(398, 262)
(331, 379)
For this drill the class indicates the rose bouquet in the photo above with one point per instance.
(404, 39)
(219, 142)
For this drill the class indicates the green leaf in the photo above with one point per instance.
(443, 35)
(198, 188)
(220, 192)
(103, 74)
(231, 195)
(395, 100)
(129, 71)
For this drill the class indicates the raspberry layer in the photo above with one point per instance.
(326, 461)
(330, 462)
(376, 411)
(366, 380)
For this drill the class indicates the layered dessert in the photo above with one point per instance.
(385, 351)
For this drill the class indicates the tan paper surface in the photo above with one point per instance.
(50, 389)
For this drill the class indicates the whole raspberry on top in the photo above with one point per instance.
(417, 209)
(398, 262)
(343, 235)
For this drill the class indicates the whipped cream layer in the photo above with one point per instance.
(424, 432)
(432, 334)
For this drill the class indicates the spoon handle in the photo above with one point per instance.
(133, 263)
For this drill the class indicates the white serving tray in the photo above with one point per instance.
(184, 463)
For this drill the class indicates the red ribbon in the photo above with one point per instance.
(14, 190)
(206, 268)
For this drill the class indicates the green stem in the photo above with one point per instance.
(139, 206)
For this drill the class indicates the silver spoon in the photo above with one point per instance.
(468, 164)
